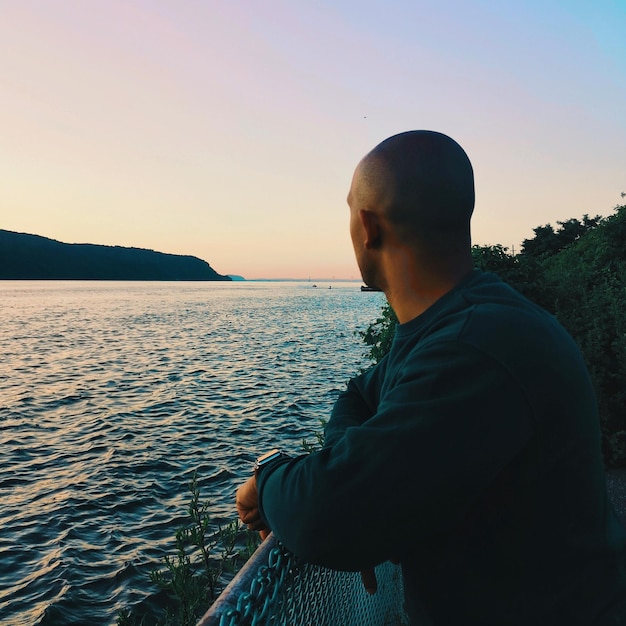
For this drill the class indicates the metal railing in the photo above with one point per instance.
(275, 588)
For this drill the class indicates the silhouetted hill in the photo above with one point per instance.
(26, 257)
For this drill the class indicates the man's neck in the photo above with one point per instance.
(413, 289)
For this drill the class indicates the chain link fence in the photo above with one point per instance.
(275, 588)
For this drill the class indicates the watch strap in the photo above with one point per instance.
(266, 458)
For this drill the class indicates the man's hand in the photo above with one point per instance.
(368, 577)
(247, 500)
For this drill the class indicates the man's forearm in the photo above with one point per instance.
(354, 406)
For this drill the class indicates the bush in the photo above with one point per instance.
(379, 334)
(191, 579)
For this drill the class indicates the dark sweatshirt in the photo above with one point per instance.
(471, 454)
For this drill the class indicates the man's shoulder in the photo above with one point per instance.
(483, 300)
(491, 300)
(490, 289)
(489, 315)
(514, 331)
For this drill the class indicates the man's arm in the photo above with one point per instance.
(437, 439)
(353, 407)
(356, 404)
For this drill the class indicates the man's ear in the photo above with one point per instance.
(372, 229)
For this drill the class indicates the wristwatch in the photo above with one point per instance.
(266, 458)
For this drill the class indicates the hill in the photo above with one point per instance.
(32, 257)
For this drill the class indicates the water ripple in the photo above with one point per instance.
(113, 394)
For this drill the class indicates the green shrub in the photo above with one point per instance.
(379, 334)
(191, 579)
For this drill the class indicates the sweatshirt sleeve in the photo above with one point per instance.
(356, 404)
(405, 468)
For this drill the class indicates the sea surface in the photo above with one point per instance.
(113, 393)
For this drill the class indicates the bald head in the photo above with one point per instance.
(423, 183)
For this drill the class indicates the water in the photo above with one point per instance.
(112, 394)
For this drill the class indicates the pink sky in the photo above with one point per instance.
(230, 130)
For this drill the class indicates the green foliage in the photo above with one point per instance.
(577, 272)
(584, 285)
(494, 259)
(191, 579)
(514, 269)
(379, 334)
(318, 443)
(548, 241)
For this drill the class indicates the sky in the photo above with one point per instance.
(230, 130)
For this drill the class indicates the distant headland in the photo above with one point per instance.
(32, 257)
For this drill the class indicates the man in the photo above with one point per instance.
(471, 452)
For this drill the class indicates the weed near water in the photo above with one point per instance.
(318, 442)
(192, 579)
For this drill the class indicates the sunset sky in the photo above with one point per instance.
(230, 130)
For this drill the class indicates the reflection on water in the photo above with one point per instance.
(111, 394)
